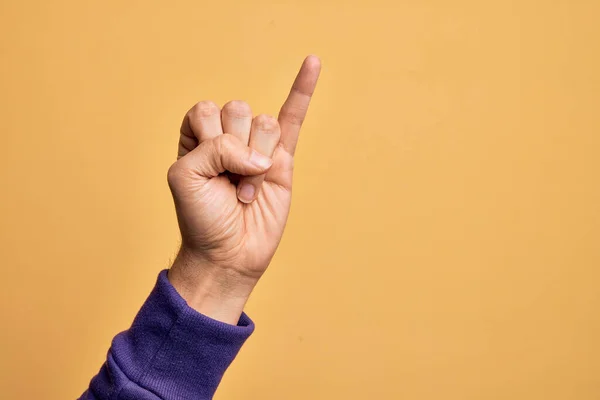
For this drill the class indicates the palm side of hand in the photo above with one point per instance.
(222, 230)
(221, 223)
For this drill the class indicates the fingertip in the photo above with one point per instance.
(312, 62)
(246, 192)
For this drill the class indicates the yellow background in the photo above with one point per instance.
(444, 241)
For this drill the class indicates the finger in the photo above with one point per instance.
(264, 137)
(223, 153)
(201, 122)
(236, 118)
(294, 109)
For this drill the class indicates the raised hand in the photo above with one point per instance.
(232, 187)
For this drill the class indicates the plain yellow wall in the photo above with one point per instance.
(444, 241)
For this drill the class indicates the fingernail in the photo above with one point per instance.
(246, 192)
(259, 160)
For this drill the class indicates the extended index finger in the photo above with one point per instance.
(294, 109)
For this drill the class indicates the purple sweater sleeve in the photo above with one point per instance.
(170, 352)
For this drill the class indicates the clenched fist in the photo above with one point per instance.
(232, 188)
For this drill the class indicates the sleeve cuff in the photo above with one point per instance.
(175, 352)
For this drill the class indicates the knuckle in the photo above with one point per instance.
(226, 139)
(224, 143)
(266, 122)
(204, 109)
(292, 115)
(237, 109)
(224, 149)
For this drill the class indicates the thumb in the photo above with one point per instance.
(225, 153)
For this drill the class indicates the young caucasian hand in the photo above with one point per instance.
(232, 188)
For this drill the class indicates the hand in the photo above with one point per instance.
(232, 187)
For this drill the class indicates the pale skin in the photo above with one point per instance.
(232, 188)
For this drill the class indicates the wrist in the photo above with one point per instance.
(215, 291)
